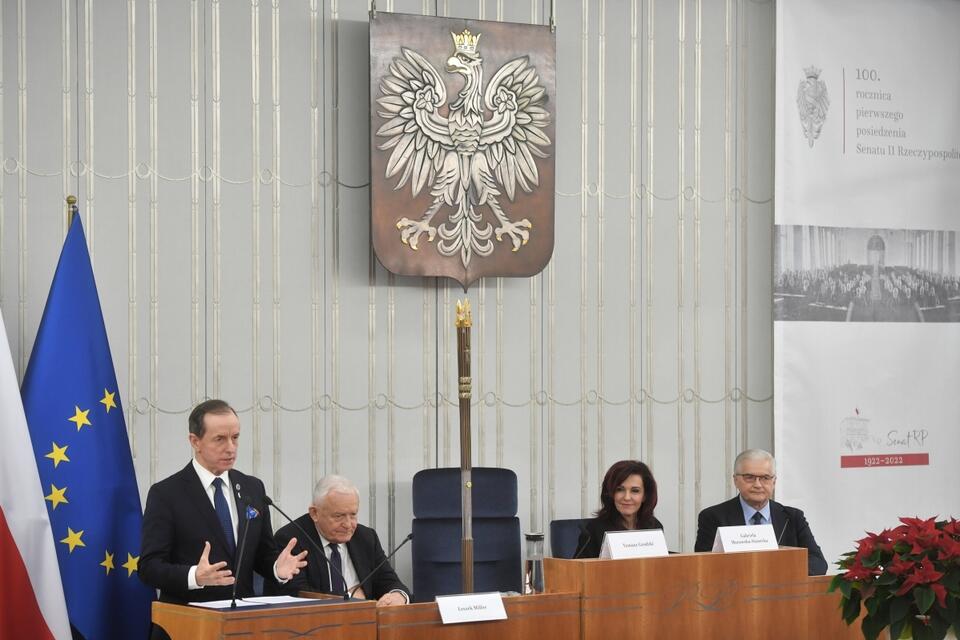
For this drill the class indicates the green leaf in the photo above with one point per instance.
(873, 559)
(835, 583)
(952, 611)
(939, 627)
(896, 628)
(871, 627)
(851, 608)
(845, 588)
(924, 598)
(886, 578)
(952, 580)
(899, 607)
(923, 632)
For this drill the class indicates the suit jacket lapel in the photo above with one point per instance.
(317, 565)
(359, 559)
(734, 512)
(778, 518)
(241, 498)
(198, 495)
(242, 492)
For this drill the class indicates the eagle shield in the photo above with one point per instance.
(461, 167)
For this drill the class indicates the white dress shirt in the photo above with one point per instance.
(206, 479)
(350, 576)
(349, 571)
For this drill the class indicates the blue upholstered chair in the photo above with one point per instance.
(563, 537)
(437, 529)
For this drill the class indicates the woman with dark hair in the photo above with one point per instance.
(628, 496)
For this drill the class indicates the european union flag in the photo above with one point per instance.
(80, 442)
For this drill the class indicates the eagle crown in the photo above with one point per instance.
(466, 42)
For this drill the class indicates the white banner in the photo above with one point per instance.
(866, 265)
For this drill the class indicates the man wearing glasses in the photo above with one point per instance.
(754, 475)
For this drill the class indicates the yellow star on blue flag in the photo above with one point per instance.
(103, 511)
(108, 400)
(107, 562)
(80, 418)
(56, 496)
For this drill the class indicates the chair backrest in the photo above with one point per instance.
(564, 535)
(436, 493)
(437, 532)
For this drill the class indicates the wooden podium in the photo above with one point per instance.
(750, 595)
(555, 616)
(334, 621)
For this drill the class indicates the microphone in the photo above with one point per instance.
(784, 530)
(583, 547)
(250, 514)
(309, 539)
(350, 592)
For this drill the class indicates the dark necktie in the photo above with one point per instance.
(223, 514)
(757, 518)
(336, 582)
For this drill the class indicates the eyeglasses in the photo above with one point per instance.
(749, 478)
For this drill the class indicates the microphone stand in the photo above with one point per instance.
(311, 541)
(784, 530)
(583, 529)
(377, 568)
(239, 555)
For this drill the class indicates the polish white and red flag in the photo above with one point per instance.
(31, 593)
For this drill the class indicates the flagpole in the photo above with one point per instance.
(463, 324)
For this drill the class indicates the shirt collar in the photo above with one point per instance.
(206, 477)
(748, 511)
(324, 543)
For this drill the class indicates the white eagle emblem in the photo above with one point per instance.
(467, 160)
(812, 103)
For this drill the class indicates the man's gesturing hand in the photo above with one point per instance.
(289, 565)
(212, 574)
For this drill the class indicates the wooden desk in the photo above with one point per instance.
(346, 621)
(751, 595)
(554, 616)
(823, 611)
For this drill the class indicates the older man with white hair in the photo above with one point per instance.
(353, 551)
(755, 476)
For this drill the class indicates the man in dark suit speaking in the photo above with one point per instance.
(194, 521)
(352, 551)
(754, 475)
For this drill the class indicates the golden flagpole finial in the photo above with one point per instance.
(71, 208)
(464, 319)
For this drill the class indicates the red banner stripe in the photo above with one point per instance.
(886, 460)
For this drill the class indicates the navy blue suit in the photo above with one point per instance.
(179, 518)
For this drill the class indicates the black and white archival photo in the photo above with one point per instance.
(837, 274)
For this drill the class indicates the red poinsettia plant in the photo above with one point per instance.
(907, 578)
